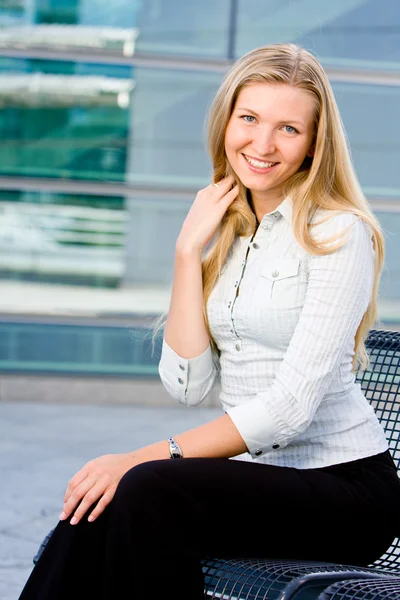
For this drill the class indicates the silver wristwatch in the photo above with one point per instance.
(174, 450)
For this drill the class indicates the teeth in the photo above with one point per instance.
(258, 163)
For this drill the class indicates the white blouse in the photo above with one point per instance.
(284, 322)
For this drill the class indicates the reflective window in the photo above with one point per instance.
(82, 240)
(168, 117)
(95, 25)
(97, 122)
(64, 119)
(343, 32)
(370, 117)
(183, 27)
(60, 238)
(390, 279)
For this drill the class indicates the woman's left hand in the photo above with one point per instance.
(97, 480)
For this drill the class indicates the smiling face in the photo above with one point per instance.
(269, 134)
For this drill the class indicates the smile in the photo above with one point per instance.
(259, 164)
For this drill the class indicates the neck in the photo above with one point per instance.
(262, 206)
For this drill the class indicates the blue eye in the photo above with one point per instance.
(290, 129)
(247, 118)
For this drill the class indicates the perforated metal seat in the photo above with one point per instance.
(267, 579)
(380, 589)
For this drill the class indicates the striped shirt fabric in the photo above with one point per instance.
(284, 321)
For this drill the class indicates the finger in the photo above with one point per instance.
(74, 482)
(230, 196)
(226, 181)
(88, 500)
(76, 497)
(102, 503)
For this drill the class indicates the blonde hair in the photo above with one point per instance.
(327, 180)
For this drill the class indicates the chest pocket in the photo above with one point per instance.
(282, 283)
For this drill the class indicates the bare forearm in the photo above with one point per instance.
(185, 331)
(216, 439)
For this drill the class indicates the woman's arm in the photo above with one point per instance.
(187, 368)
(187, 341)
(185, 330)
(99, 478)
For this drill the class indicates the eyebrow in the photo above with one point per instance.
(248, 110)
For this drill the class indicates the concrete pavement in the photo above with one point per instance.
(43, 445)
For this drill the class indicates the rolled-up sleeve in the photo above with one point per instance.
(338, 293)
(187, 380)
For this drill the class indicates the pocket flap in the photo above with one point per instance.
(281, 268)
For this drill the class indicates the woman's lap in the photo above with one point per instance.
(168, 514)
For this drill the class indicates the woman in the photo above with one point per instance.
(275, 287)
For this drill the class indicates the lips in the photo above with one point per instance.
(259, 166)
(258, 163)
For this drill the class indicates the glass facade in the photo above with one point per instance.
(103, 148)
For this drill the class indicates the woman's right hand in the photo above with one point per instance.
(206, 213)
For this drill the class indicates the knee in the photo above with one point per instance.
(138, 483)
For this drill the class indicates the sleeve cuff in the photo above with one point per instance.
(198, 368)
(255, 426)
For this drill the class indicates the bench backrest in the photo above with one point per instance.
(381, 385)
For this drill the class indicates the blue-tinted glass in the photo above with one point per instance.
(363, 32)
(60, 119)
(390, 280)
(168, 141)
(61, 238)
(370, 115)
(77, 24)
(183, 27)
(96, 122)
(70, 348)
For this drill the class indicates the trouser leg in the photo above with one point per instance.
(166, 515)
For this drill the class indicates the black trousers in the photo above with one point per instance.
(168, 514)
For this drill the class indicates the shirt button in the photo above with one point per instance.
(180, 380)
(255, 246)
(231, 330)
(275, 273)
(182, 368)
(275, 446)
(229, 305)
(258, 452)
(238, 348)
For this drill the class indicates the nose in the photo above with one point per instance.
(264, 142)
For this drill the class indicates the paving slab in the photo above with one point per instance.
(43, 445)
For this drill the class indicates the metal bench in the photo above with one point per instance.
(376, 589)
(276, 579)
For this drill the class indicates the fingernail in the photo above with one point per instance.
(91, 518)
(62, 516)
(73, 521)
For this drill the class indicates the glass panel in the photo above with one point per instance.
(96, 122)
(48, 237)
(370, 115)
(95, 241)
(390, 280)
(78, 349)
(168, 116)
(182, 27)
(343, 32)
(70, 24)
(61, 119)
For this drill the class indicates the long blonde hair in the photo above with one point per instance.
(327, 180)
